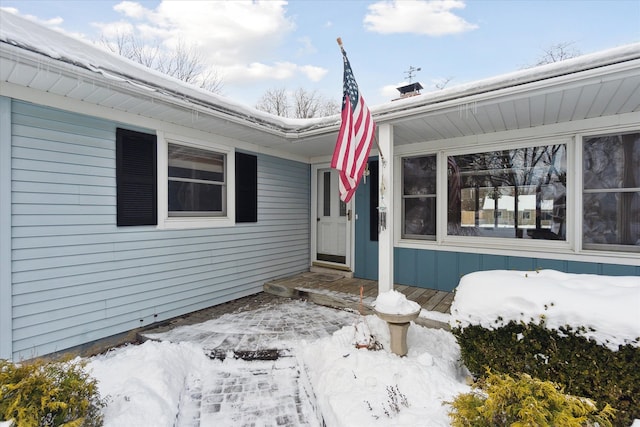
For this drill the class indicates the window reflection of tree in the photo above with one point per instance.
(611, 180)
(513, 173)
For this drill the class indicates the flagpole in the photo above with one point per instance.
(385, 196)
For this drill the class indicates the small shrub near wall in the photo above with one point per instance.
(500, 400)
(564, 356)
(49, 394)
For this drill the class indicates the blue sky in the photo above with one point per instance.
(257, 46)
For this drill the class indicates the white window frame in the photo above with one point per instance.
(402, 197)
(167, 222)
(599, 250)
(496, 245)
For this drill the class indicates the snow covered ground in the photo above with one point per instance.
(157, 383)
(359, 387)
(608, 306)
(351, 385)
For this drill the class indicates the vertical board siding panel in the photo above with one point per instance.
(551, 264)
(427, 268)
(442, 270)
(619, 270)
(493, 262)
(405, 267)
(582, 267)
(519, 263)
(447, 272)
(366, 251)
(469, 263)
(70, 256)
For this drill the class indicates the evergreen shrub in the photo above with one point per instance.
(500, 400)
(583, 366)
(49, 394)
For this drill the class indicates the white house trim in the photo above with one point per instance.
(76, 106)
(6, 297)
(164, 221)
(571, 249)
(386, 207)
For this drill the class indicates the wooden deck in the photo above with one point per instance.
(334, 290)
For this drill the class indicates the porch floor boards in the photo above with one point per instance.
(335, 290)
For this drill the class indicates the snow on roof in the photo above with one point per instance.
(607, 306)
(31, 36)
(516, 78)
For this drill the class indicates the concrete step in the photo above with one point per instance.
(338, 300)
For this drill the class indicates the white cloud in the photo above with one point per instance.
(257, 71)
(236, 39)
(131, 9)
(313, 73)
(114, 29)
(229, 32)
(430, 17)
(307, 46)
(390, 91)
(55, 23)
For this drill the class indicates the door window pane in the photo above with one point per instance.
(518, 193)
(611, 193)
(326, 194)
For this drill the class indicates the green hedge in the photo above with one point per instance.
(564, 356)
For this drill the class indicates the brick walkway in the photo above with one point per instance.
(251, 393)
(255, 379)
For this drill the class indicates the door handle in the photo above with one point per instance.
(349, 215)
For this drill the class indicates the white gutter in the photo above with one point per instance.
(562, 73)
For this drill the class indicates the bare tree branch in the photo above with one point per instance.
(183, 62)
(274, 101)
(556, 53)
(442, 83)
(304, 104)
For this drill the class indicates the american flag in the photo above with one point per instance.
(355, 137)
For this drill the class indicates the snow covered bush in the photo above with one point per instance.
(583, 366)
(577, 330)
(49, 394)
(502, 400)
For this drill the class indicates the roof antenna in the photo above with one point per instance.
(410, 73)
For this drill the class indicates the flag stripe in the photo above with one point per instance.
(355, 136)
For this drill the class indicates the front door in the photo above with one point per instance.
(333, 234)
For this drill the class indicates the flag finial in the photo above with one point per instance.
(339, 40)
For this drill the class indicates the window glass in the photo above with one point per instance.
(419, 197)
(196, 184)
(611, 193)
(518, 193)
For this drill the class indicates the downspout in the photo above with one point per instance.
(6, 299)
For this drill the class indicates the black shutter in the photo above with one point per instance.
(373, 200)
(136, 178)
(246, 188)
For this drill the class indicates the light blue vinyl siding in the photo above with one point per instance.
(77, 277)
(442, 269)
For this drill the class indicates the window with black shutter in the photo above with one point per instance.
(246, 188)
(136, 178)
